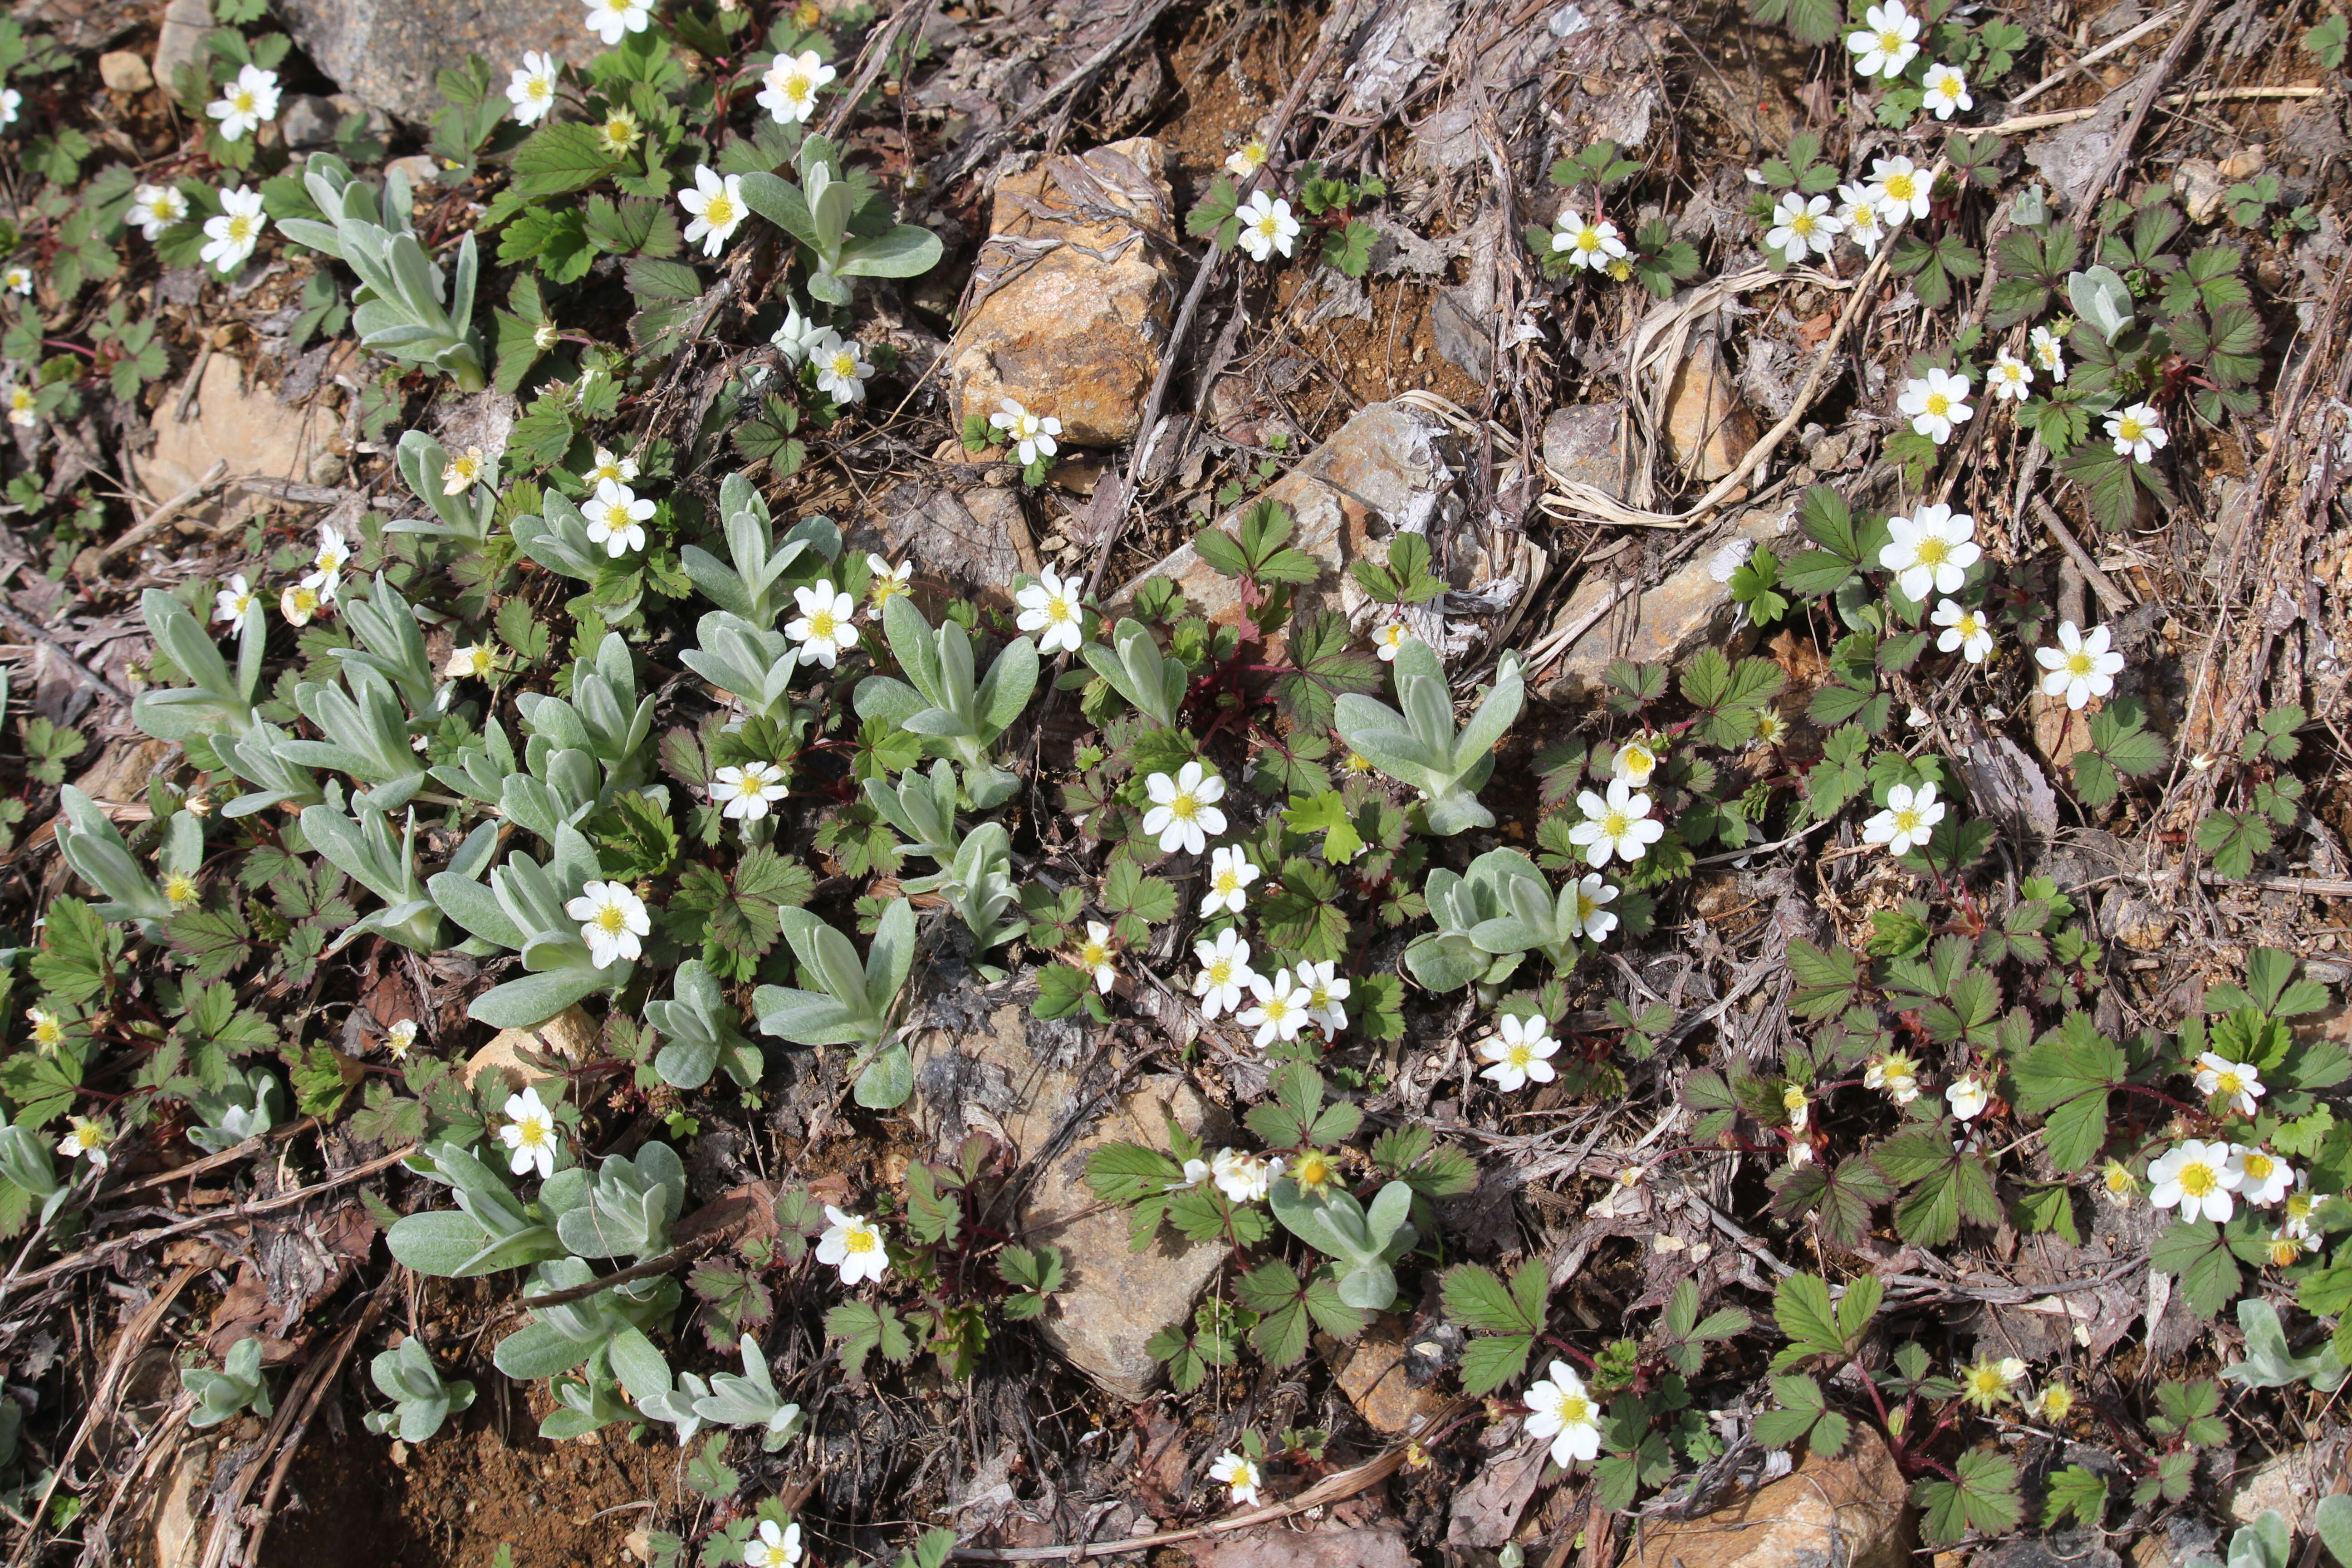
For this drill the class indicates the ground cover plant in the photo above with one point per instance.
(757, 888)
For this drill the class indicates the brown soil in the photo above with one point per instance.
(451, 1502)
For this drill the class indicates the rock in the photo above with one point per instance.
(2293, 1483)
(390, 55)
(2181, 1541)
(1690, 608)
(966, 529)
(231, 421)
(124, 71)
(422, 169)
(180, 41)
(993, 1076)
(570, 1034)
(2066, 1548)
(1371, 1546)
(1374, 1376)
(307, 120)
(1384, 473)
(1070, 314)
(119, 774)
(1708, 429)
(1584, 445)
(1846, 1512)
(176, 1538)
(2198, 183)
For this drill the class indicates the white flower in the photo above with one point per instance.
(617, 518)
(716, 205)
(788, 91)
(1934, 404)
(1225, 974)
(245, 103)
(1238, 1473)
(1590, 918)
(2010, 377)
(401, 1038)
(48, 1029)
(1900, 188)
(1948, 89)
(474, 661)
(2262, 1179)
(1195, 1172)
(1032, 435)
(1968, 1098)
(888, 581)
(232, 236)
(1858, 210)
(1266, 226)
(2299, 1203)
(1097, 955)
(1247, 159)
(1964, 630)
(1281, 1011)
(619, 133)
(1799, 1107)
(327, 565)
(799, 337)
(1230, 875)
(85, 1137)
(2051, 1404)
(299, 603)
(1245, 1178)
(773, 1548)
(827, 627)
(853, 1244)
(460, 473)
(2196, 1176)
(1558, 1408)
(2080, 667)
(155, 208)
(530, 1131)
(1798, 226)
(1616, 824)
(840, 367)
(1909, 816)
(2049, 351)
(1387, 639)
(608, 19)
(16, 279)
(1895, 1073)
(1184, 814)
(2238, 1083)
(10, 101)
(745, 792)
(1325, 991)
(2137, 433)
(611, 919)
(532, 89)
(1888, 41)
(1049, 606)
(619, 470)
(237, 603)
(1931, 550)
(1634, 762)
(1522, 1051)
(1590, 245)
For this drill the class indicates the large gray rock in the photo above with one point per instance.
(389, 53)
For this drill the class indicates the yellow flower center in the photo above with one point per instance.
(1094, 954)
(859, 1240)
(617, 517)
(1184, 807)
(163, 208)
(1937, 406)
(2129, 429)
(1615, 825)
(797, 87)
(48, 1033)
(2258, 1166)
(240, 228)
(2228, 1083)
(718, 212)
(1890, 42)
(1802, 223)
(1277, 1009)
(1932, 550)
(2284, 1251)
(1987, 1381)
(820, 624)
(242, 99)
(534, 1131)
(1519, 1057)
(2080, 664)
(751, 788)
(1949, 87)
(1586, 906)
(1575, 1411)
(305, 601)
(180, 889)
(610, 921)
(1221, 973)
(1589, 241)
(1057, 609)
(2199, 1180)
(1314, 1170)
(1899, 186)
(1907, 821)
(1228, 882)
(537, 88)
(1968, 626)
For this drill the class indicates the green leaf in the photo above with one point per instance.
(2199, 1257)
(559, 157)
(1804, 1415)
(78, 954)
(2077, 1491)
(859, 1328)
(1983, 1498)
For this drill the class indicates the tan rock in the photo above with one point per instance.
(1847, 1512)
(1384, 471)
(570, 1034)
(2199, 184)
(1584, 445)
(964, 529)
(233, 421)
(120, 773)
(175, 1540)
(2293, 1483)
(1692, 608)
(180, 41)
(1114, 1299)
(125, 72)
(1072, 293)
(2060, 732)
(1707, 428)
(1373, 1376)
